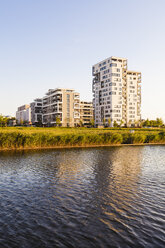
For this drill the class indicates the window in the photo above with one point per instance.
(115, 75)
(113, 65)
(112, 93)
(112, 84)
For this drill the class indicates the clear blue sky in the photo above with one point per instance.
(54, 43)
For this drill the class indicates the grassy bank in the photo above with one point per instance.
(25, 137)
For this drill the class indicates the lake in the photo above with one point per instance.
(84, 197)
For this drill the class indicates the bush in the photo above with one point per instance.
(133, 138)
(152, 138)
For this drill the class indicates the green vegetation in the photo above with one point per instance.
(32, 137)
(153, 123)
(4, 121)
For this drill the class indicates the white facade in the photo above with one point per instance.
(133, 97)
(59, 107)
(116, 93)
(61, 104)
(36, 111)
(23, 114)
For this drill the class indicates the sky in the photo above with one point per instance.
(46, 44)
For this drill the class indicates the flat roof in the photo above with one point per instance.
(112, 57)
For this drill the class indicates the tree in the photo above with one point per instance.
(1, 120)
(25, 122)
(21, 122)
(115, 124)
(140, 124)
(81, 123)
(58, 121)
(5, 119)
(159, 122)
(121, 123)
(104, 122)
(92, 122)
(129, 123)
(109, 122)
(147, 123)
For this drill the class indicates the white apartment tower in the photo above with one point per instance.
(116, 93)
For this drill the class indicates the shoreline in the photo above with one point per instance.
(76, 146)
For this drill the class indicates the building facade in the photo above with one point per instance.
(86, 113)
(116, 93)
(36, 112)
(61, 107)
(23, 114)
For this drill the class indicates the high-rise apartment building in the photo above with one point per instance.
(116, 93)
(61, 107)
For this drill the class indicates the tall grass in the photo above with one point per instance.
(15, 138)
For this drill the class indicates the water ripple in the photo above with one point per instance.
(98, 197)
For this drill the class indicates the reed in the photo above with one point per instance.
(24, 137)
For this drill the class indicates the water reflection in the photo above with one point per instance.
(83, 197)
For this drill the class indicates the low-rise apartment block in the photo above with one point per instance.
(23, 114)
(116, 93)
(61, 107)
(86, 113)
(36, 112)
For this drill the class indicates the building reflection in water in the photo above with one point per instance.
(117, 174)
(76, 165)
(106, 174)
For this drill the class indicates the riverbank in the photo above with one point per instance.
(17, 138)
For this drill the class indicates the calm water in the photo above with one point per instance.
(97, 197)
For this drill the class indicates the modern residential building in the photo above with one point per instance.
(61, 107)
(86, 113)
(116, 93)
(36, 112)
(23, 114)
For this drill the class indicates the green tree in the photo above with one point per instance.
(121, 123)
(1, 120)
(140, 124)
(104, 122)
(129, 123)
(147, 123)
(81, 123)
(58, 121)
(21, 122)
(115, 124)
(92, 122)
(5, 119)
(159, 122)
(109, 122)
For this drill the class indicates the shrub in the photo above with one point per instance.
(152, 138)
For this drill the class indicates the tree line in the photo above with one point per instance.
(4, 121)
(153, 123)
